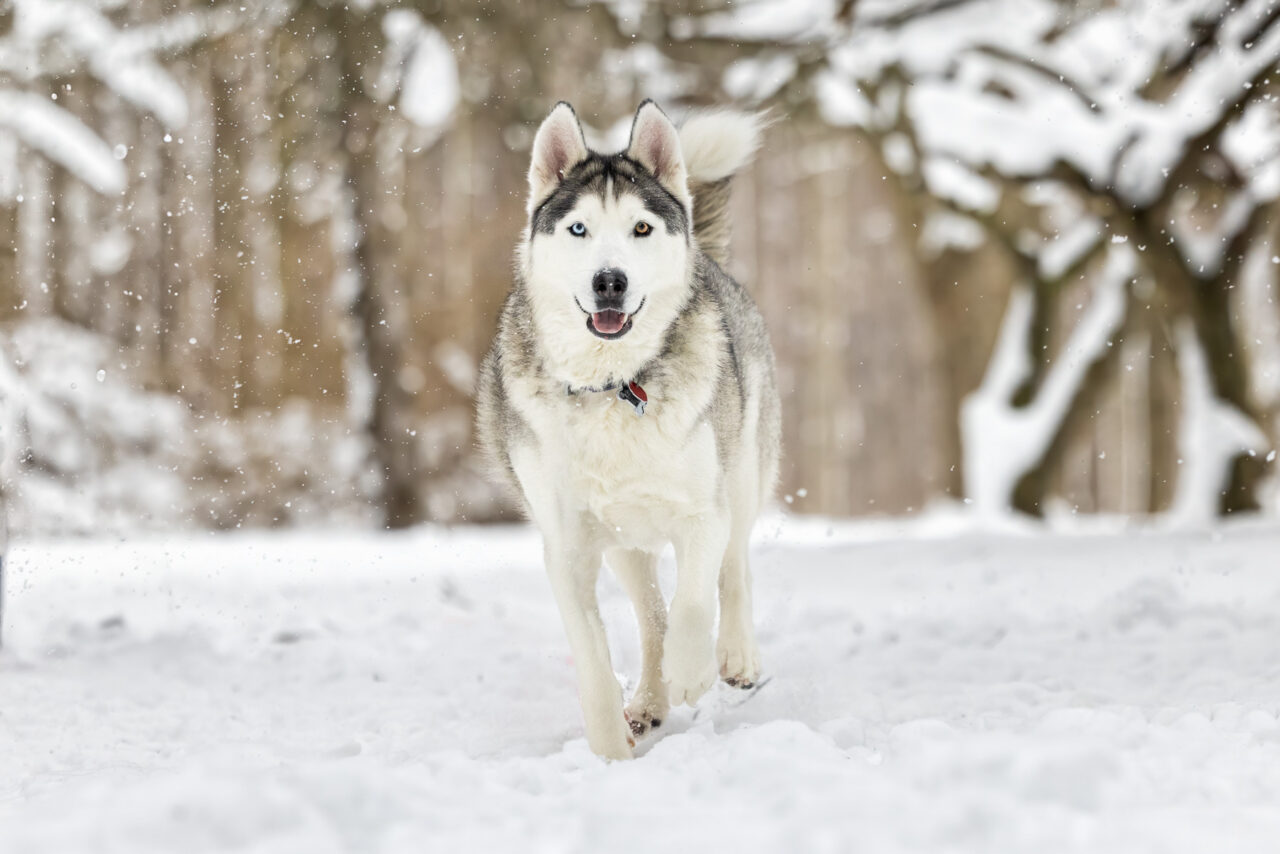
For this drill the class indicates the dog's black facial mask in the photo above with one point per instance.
(563, 168)
(602, 174)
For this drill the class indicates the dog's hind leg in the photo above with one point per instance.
(736, 649)
(573, 572)
(637, 572)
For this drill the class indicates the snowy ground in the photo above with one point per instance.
(327, 693)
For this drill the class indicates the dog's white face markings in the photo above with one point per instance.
(614, 233)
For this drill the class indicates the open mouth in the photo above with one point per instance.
(610, 323)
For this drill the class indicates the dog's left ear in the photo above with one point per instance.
(558, 147)
(655, 145)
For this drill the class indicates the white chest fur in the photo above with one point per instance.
(630, 479)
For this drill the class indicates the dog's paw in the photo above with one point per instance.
(739, 661)
(607, 729)
(617, 754)
(647, 710)
(618, 743)
(688, 667)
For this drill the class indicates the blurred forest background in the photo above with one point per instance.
(1016, 253)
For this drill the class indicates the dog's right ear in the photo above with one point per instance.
(558, 147)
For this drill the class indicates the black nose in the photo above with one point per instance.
(609, 284)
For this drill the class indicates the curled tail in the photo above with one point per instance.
(716, 144)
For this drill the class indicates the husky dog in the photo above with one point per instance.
(630, 398)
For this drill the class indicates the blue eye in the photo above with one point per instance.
(578, 230)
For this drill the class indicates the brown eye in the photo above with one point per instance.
(643, 228)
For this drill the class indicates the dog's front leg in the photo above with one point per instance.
(688, 662)
(573, 569)
(637, 572)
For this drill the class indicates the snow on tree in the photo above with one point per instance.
(81, 78)
(418, 65)
(1059, 130)
(1001, 441)
(1210, 435)
(60, 136)
(50, 39)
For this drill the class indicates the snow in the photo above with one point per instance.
(85, 449)
(420, 62)
(948, 179)
(899, 154)
(754, 80)
(49, 39)
(110, 252)
(1218, 80)
(1002, 442)
(640, 67)
(1099, 111)
(930, 690)
(1020, 86)
(142, 82)
(840, 103)
(1069, 247)
(944, 230)
(430, 81)
(61, 137)
(1204, 247)
(120, 58)
(783, 20)
(1252, 144)
(1211, 434)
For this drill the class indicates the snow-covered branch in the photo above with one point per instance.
(57, 134)
(1112, 93)
(51, 39)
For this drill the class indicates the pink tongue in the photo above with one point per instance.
(608, 321)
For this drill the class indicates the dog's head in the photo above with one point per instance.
(609, 241)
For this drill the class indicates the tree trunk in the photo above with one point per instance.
(1208, 303)
(381, 284)
(1229, 370)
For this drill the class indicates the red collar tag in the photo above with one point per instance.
(633, 394)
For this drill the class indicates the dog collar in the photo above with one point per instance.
(629, 392)
(633, 394)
